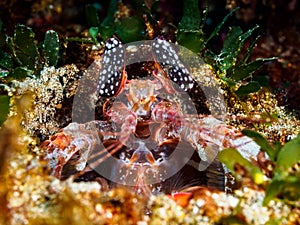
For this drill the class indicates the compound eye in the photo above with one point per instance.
(169, 61)
(112, 70)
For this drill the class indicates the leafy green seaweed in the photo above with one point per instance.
(228, 63)
(285, 187)
(190, 34)
(129, 29)
(94, 32)
(248, 88)
(231, 66)
(20, 57)
(4, 106)
(218, 28)
(285, 184)
(245, 70)
(3, 73)
(107, 26)
(5, 60)
(231, 157)
(25, 49)
(231, 48)
(262, 142)
(289, 154)
(51, 48)
(20, 73)
(92, 15)
(191, 16)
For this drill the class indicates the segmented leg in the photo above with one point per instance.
(123, 116)
(74, 144)
(221, 136)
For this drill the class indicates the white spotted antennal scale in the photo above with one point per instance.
(168, 59)
(112, 73)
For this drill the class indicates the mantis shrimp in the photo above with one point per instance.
(146, 140)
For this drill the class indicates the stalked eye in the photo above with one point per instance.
(112, 74)
(168, 59)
